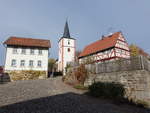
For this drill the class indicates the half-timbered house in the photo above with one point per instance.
(108, 48)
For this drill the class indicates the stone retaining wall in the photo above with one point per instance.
(26, 75)
(137, 83)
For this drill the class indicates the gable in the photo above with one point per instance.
(121, 43)
(101, 45)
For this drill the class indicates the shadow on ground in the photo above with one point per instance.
(69, 103)
(4, 78)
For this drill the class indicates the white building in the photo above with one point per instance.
(26, 54)
(108, 48)
(67, 50)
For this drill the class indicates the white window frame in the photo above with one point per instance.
(40, 51)
(13, 63)
(39, 63)
(15, 51)
(22, 63)
(32, 51)
(23, 51)
(31, 62)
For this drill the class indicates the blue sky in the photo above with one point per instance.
(88, 21)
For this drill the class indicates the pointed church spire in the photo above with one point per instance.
(66, 31)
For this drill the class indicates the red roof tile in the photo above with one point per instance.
(27, 42)
(105, 43)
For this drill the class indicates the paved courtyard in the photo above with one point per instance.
(53, 96)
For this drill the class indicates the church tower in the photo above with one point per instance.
(67, 49)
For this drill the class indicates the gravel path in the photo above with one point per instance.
(53, 96)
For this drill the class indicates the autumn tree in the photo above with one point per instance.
(134, 51)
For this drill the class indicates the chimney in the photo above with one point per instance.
(103, 37)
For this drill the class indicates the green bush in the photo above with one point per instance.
(107, 90)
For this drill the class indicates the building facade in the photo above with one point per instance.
(108, 48)
(67, 50)
(26, 54)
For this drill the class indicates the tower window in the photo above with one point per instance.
(68, 49)
(68, 43)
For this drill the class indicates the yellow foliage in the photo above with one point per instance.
(134, 51)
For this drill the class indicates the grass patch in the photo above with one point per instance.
(81, 87)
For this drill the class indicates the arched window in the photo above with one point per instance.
(68, 49)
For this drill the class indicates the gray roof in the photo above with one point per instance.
(66, 31)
